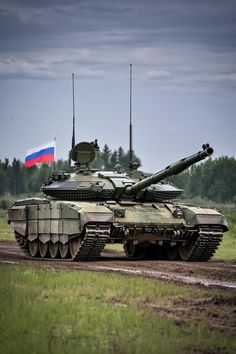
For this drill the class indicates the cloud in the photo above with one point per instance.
(219, 78)
(157, 74)
(52, 64)
(191, 69)
(177, 45)
(210, 21)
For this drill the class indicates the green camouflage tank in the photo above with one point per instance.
(85, 209)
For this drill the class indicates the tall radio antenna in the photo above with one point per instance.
(130, 121)
(73, 122)
(73, 129)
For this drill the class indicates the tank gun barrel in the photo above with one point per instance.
(171, 170)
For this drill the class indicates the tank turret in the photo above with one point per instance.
(89, 184)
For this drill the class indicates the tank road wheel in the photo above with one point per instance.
(150, 252)
(134, 251)
(129, 249)
(34, 248)
(54, 249)
(160, 252)
(140, 252)
(75, 245)
(64, 250)
(172, 252)
(186, 250)
(43, 249)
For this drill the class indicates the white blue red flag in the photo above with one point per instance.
(43, 153)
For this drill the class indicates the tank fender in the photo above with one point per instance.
(44, 238)
(68, 222)
(32, 237)
(95, 213)
(64, 239)
(17, 218)
(19, 226)
(54, 238)
(203, 216)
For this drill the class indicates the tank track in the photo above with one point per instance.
(96, 236)
(200, 246)
(23, 244)
(206, 244)
(93, 242)
(91, 247)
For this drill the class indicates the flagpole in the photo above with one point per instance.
(54, 162)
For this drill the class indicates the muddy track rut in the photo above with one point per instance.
(211, 273)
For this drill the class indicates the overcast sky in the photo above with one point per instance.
(184, 75)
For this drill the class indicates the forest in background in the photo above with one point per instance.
(16, 179)
(212, 179)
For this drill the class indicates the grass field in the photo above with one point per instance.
(227, 248)
(49, 311)
(77, 312)
(6, 232)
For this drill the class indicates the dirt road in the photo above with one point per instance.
(218, 309)
(211, 273)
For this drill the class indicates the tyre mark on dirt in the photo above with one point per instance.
(213, 273)
(167, 276)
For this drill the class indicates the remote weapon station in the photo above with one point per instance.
(85, 209)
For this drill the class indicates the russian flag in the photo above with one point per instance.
(43, 153)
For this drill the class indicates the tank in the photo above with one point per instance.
(85, 209)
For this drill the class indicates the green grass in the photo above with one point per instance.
(227, 248)
(115, 246)
(82, 312)
(6, 231)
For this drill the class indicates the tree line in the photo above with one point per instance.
(16, 179)
(211, 179)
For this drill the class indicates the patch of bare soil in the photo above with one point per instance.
(218, 310)
(215, 273)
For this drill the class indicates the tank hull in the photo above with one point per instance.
(79, 230)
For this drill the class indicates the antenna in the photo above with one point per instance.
(73, 129)
(73, 122)
(130, 121)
